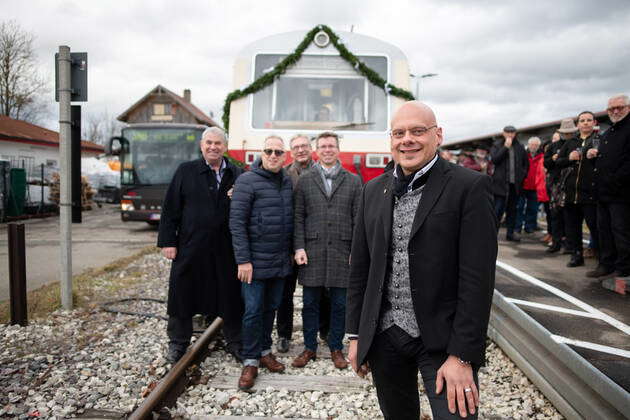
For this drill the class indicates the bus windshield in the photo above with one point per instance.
(320, 92)
(155, 153)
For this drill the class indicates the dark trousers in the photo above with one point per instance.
(395, 359)
(262, 298)
(284, 321)
(547, 209)
(527, 211)
(557, 224)
(179, 331)
(508, 205)
(574, 215)
(613, 223)
(311, 316)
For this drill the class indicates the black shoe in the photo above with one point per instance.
(576, 260)
(235, 350)
(174, 354)
(283, 345)
(600, 271)
(512, 238)
(555, 247)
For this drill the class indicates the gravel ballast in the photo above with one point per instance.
(85, 359)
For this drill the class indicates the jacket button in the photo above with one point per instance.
(397, 307)
(400, 226)
(594, 170)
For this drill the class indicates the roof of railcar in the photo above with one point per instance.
(287, 42)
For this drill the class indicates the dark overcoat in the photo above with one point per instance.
(612, 174)
(578, 181)
(452, 256)
(323, 227)
(500, 157)
(195, 220)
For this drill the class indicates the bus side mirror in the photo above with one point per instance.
(116, 145)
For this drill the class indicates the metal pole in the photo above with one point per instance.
(17, 274)
(65, 213)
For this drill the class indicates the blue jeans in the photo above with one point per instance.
(310, 316)
(262, 298)
(527, 211)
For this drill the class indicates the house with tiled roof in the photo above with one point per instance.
(163, 105)
(27, 145)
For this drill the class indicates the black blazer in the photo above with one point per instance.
(452, 256)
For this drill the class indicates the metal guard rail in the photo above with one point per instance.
(575, 387)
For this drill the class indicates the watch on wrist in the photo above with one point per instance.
(464, 362)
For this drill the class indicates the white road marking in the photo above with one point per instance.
(552, 308)
(573, 300)
(591, 346)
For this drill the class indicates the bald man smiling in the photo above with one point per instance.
(422, 275)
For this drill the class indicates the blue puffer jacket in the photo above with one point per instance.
(261, 222)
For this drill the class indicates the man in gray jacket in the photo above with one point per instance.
(326, 203)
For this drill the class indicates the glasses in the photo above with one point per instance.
(300, 146)
(399, 133)
(617, 108)
(276, 152)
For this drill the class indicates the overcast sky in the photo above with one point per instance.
(498, 62)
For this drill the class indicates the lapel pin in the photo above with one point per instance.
(385, 191)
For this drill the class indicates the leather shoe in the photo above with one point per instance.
(338, 360)
(546, 238)
(283, 345)
(248, 377)
(600, 271)
(512, 238)
(174, 354)
(304, 357)
(555, 247)
(269, 361)
(576, 260)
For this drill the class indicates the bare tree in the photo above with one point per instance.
(100, 127)
(20, 82)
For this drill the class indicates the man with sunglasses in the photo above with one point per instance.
(261, 222)
(612, 182)
(326, 203)
(422, 275)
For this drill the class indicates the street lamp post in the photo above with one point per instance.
(418, 77)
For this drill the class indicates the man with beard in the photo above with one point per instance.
(612, 175)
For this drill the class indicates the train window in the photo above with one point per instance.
(377, 160)
(320, 92)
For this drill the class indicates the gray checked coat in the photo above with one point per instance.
(324, 226)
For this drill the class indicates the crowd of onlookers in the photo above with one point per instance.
(578, 175)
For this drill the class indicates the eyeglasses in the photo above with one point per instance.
(300, 146)
(276, 152)
(617, 108)
(399, 133)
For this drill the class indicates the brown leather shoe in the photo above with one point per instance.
(546, 238)
(338, 359)
(248, 376)
(304, 357)
(269, 361)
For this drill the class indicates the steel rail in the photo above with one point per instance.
(575, 387)
(169, 388)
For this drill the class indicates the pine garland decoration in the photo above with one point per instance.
(269, 77)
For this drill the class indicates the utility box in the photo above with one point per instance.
(78, 77)
(17, 192)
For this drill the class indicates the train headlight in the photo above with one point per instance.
(126, 205)
(321, 39)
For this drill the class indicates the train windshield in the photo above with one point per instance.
(320, 92)
(155, 153)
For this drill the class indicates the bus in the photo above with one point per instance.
(320, 92)
(149, 155)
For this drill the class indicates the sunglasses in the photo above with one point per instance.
(276, 152)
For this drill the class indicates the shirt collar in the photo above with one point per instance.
(426, 168)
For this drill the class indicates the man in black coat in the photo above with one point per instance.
(422, 275)
(510, 168)
(556, 215)
(612, 180)
(194, 233)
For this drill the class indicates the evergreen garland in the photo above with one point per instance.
(268, 78)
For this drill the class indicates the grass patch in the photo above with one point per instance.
(46, 299)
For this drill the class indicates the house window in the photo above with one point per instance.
(161, 112)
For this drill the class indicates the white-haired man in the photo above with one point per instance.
(194, 233)
(527, 206)
(612, 173)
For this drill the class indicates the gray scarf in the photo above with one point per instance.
(328, 175)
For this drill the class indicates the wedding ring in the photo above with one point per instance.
(467, 390)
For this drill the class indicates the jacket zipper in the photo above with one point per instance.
(577, 178)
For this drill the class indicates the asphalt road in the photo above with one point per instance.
(529, 256)
(99, 240)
